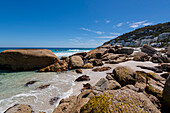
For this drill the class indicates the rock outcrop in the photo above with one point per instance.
(88, 65)
(125, 50)
(166, 92)
(148, 49)
(27, 59)
(140, 56)
(83, 78)
(119, 101)
(19, 108)
(169, 51)
(79, 71)
(124, 75)
(76, 62)
(57, 67)
(100, 69)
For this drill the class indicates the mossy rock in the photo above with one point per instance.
(119, 101)
(154, 90)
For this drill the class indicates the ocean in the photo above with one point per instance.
(13, 91)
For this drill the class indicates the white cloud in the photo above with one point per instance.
(115, 34)
(119, 25)
(140, 23)
(77, 39)
(134, 26)
(107, 21)
(107, 37)
(146, 24)
(97, 32)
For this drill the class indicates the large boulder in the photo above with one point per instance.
(19, 108)
(159, 58)
(111, 56)
(96, 53)
(57, 67)
(166, 92)
(140, 56)
(125, 50)
(124, 75)
(148, 49)
(73, 104)
(105, 84)
(96, 62)
(27, 59)
(81, 54)
(119, 101)
(76, 62)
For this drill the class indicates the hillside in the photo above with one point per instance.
(154, 35)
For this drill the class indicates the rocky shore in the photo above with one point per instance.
(112, 78)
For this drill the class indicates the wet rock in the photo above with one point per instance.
(165, 75)
(83, 78)
(86, 86)
(57, 67)
(27, 59)
(119, 101)
(30, 83)
(76, 62)
(148, 49)
(44, 86)
(124, 75)
(19, 108)
(101, 69)
(53, 100)
(166, 92)
(140, 56)
(88, 65)
(79, 71)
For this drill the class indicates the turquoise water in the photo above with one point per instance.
(58, 51)
(13, 91)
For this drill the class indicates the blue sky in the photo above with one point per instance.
(75, 23)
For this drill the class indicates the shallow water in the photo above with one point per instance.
(13, 91)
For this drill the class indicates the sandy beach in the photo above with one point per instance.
(96, 76)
